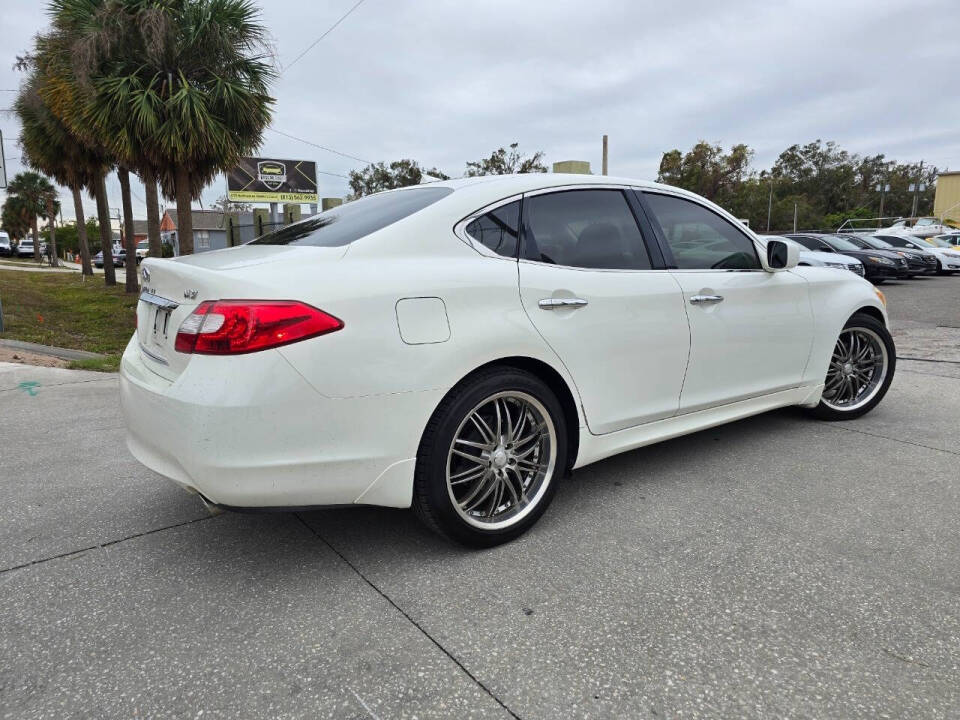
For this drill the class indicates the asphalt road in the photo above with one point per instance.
(774, 567)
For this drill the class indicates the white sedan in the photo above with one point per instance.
(460, 346)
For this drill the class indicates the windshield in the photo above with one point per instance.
(878, 243)
(838, 243)
(938, 242)
(926, 221)
(342, 225)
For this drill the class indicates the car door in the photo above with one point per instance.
(602, 300)
(750, 330)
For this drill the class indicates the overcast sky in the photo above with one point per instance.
(446, 81)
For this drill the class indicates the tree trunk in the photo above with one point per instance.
(85, 267)
(54, 261)
(153, 214)
(106, 234)
(184, 218)
(36, 240)
(129, 236)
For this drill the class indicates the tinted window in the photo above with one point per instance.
(841, 244)
(807, 242)
(701, 239)
(342, 225)
(499, 229)
(895, 241)
(584, 228)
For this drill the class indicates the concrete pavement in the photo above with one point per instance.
(775, 567)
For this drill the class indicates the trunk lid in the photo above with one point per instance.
(172, 288)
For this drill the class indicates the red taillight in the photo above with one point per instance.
(230, 327)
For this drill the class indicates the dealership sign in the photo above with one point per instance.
(271, 180)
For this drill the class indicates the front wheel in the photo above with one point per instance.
(490, 458)
(860, 372)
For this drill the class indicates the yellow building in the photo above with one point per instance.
(946, 201)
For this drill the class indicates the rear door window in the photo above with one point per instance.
(585, 229)
(342, 225)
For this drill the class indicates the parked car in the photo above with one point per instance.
(143, 250)
(6, 249)
(118, 259)
(25, 247)
(430, 346)
(948, 258)
(923, 262)
(877, 266)
(915, 263)
(816, 258)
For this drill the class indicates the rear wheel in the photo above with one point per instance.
(490, 458)
(861, 370)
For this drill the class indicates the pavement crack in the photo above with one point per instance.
(888, 438)
(101, 546)
(929, 360)
(405, 614)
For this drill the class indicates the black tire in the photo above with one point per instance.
(432, 497)
(826, 410)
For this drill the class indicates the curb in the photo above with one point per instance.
(62, 353)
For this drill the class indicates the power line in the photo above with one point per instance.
(331, 150)
(329, 30)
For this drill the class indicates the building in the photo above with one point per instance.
(209, 230)
(946, 201)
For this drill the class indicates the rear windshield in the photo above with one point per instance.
(342, 225)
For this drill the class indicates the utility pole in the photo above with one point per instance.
(770, 205)
(604, 154)
(794, 217)
(916, 190)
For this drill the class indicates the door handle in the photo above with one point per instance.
(706, 299)
(558, 303)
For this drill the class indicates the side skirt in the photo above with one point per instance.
(598, 447)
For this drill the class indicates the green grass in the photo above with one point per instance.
(66, 311)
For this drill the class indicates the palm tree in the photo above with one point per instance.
(176, 89)
(50, 147)
(62, 92)
(38, 196)
(15, 218)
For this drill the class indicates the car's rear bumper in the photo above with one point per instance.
(249, 431)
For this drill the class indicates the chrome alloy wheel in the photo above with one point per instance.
(501, 460)
(857, 369)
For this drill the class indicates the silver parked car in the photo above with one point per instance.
(815, 258)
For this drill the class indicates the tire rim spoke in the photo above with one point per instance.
(856, 370)
(501, 459)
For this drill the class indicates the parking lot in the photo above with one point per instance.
(774, 567)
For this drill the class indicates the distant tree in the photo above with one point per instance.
(68, 236)
(39, 197)
(225, 204)
(380, 176)
(706, 170)
(15, 217)
(504, 162)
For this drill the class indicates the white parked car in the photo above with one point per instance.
(25, 247)
(948, 257)
(459, 346)
(815, 258)
(6, 249)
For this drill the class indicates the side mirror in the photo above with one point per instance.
(781, 255)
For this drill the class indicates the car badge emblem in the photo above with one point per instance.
(190, 294)
(145, 274)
